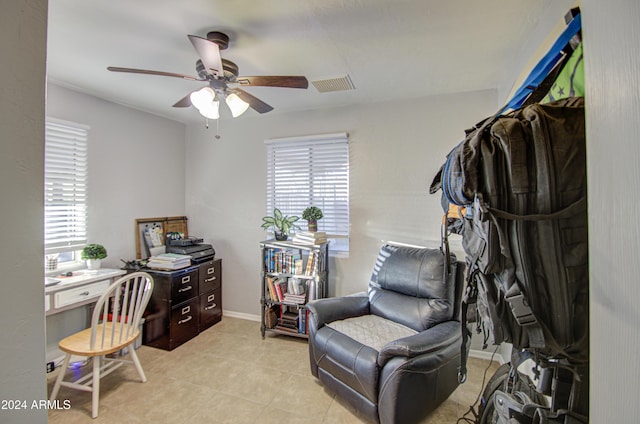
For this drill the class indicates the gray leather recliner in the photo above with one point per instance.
(394, 353)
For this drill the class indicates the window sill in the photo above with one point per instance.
(65, 267)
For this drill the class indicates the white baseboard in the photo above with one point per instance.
(482, 354)
(241, 315)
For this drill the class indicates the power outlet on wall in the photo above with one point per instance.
(51, 366)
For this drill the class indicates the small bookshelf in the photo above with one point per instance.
(293, 274)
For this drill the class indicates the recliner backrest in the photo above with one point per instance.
(412, 286)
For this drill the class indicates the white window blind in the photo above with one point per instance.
(65, 186)
(311, 171)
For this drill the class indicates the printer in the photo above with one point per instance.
(191, 246)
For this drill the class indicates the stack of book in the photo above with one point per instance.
(169, 261)
(288, 322)
(308, 238)
(295, 299)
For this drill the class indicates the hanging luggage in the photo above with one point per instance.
(522, 178)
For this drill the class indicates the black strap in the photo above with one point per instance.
(573, 209)
(542, 90)
(470, 297)
(444, 244)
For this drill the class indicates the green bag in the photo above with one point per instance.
(570, 82)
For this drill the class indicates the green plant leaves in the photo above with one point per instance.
(280, 222)
(93, 251)
(312, 213)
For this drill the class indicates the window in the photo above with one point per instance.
(312, 171)
(65, 188)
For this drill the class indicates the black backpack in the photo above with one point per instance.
(522, 180)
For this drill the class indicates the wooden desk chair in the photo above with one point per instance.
(114, 325)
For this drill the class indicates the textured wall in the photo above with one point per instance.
(22, 94)
(612, 73)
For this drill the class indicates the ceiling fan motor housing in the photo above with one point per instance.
(230, 70)
(221, 39)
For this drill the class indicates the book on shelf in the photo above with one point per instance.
(295, 286)
(272, 289)
(289, 317)
(281, 261)
(295, 299)
(310, 260)
(280, 286)
(287, 328)
(311, 290)
(303, 314)
(288, 320)
(310, 238)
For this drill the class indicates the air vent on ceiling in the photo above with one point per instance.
(334, 84)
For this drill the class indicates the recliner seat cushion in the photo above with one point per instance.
(372, 330)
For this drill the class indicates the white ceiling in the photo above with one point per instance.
(391, 49)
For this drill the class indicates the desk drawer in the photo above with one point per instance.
(80, 294)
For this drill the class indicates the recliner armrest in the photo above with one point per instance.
(337, 308)
(431, 340)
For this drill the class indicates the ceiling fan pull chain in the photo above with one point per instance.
(217, 129)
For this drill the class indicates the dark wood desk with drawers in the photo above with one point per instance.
(184, 303)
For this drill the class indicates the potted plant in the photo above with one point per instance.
(312, 214)
(93, 254)
(282, 224)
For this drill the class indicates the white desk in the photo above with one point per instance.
(83, 288)
(65, 304)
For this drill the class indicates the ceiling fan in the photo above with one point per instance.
(222, 78)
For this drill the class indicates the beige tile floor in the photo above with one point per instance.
(228, 374)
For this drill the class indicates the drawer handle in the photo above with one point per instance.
(187, 319)
(186, 279)
(211, 270)
(184, 289)
(210, 307)
(209, 279)
(84, 293)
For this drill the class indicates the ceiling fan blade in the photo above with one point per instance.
(184, 102)
(274, 81)
(209, 53)
(147, 72)
(254, 102)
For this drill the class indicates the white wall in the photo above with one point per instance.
(612, 72)
(136, 170)
(395, 150)
(22, 92)
(136, 167)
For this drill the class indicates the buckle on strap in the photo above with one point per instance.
(521, 310)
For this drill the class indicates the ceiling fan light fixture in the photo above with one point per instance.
(205, 101)
(236, 104)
